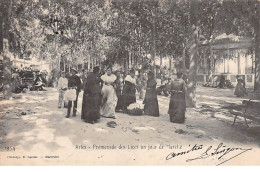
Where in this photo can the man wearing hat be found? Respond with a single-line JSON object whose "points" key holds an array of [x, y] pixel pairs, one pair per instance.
{"points": [[74, 82], [63, 86]]}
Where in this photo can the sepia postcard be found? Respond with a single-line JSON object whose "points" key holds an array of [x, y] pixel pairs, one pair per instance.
{"points": [[130, 82]]}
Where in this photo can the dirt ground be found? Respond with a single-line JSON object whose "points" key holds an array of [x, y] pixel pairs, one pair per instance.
{"points": [[44, 130]]}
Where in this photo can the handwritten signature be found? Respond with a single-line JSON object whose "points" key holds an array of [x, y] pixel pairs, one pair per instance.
{"points": [[220, 152]]}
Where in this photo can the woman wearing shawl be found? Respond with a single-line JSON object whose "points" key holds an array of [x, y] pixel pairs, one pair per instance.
{"points": [[91, 97], [128, 94], [151, 107], [109, 98]]}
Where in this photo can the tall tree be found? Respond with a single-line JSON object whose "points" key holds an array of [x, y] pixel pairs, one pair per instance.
{"points": [[256, 23], [192, 79], [5, 9]]}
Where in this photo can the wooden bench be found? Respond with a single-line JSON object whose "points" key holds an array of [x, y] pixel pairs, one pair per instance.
{"points": [[253, 105]]}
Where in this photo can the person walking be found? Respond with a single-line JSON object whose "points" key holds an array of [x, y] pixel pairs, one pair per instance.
{"points": [[109, 98], [74, 83], [177, 106], [92, 97], [62, 86], [150, 102]]}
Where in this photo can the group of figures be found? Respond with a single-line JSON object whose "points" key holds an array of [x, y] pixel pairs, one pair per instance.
{"points": [[240, 90], [27, 79], [106, 94]]}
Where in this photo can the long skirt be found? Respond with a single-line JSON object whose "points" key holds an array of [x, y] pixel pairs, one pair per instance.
{"points": [[91, 107], [109, 101], [177, 108], [151, 107]]}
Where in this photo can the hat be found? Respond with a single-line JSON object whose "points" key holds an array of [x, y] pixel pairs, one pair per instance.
{"points": [[74, 69]]}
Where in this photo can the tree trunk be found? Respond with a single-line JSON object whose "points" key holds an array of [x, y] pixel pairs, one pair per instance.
{"points": [[257, 49], [228, 57], [184, 60], [1, 29], [130, 59], [4, 51], [89, 63], [161, 61], [191, 92], [210, 64], [238, 64], [57, 60], [205, 62], [170, 61], [153, 46]]}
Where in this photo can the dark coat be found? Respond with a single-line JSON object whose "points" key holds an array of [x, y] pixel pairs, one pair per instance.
{"points": [[177, 106], [91, 99], [150, 102], [74, 81], [128, 94]]}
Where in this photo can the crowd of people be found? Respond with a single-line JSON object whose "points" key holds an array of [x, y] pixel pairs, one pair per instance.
{"points": [[222, 82], [106, 93], [28, 79]]}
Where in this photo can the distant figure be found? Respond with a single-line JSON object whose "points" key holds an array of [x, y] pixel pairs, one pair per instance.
{"points": [[17, 86], [74, 82], [229, 84], [83, 78], [118, 88], [222, 83], [39, 83], [109, 98], [177, 106], [128, 94], [240, 90], [164, 88], [150, 102], [141, 84], [91, 97], [62, 86]]}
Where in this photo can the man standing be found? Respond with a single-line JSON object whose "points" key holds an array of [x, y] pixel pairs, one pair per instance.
{"points": [[74, 82], [63, 86]]}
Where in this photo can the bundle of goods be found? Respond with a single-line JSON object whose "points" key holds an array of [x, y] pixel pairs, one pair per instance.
{"points": [[135, 109]]}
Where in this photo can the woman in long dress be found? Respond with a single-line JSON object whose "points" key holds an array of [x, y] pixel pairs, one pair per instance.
{"points": [[177, 106], [150, 102], [240, 90], [129, 90], [109, 98], [92, 98]]}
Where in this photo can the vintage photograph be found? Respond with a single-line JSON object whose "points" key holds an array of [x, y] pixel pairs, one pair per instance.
{"points": [[130, 82]]}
